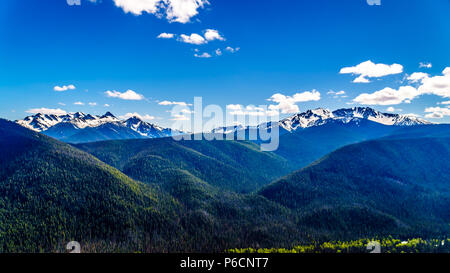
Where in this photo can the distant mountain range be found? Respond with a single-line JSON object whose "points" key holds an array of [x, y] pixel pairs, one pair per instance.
{"points": [[320, 116], [80, 127]]}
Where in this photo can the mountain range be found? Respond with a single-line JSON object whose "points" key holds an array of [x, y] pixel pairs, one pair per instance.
{"points": [[341, 175], [80, 127], [158, 195], [320, 116]]}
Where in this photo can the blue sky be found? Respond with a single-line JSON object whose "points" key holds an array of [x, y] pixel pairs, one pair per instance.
{"points": [[274, 47]]}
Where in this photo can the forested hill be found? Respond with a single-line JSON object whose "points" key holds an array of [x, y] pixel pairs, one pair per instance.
{"points": [[52, 193], [398, 184], [230, 165]]}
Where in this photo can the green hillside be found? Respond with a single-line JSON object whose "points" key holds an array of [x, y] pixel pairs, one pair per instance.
{"points": [[378, 187], [51, 193], [229, 165], [189, 197]]}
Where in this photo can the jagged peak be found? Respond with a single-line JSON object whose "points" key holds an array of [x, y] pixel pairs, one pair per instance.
{"points": [[108, 115], [320, 116]]}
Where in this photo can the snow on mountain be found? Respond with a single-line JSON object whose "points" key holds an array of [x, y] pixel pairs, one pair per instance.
{"points": [[307, 119], [146, 129], [43, 122], [321, 116], [69, 123]]}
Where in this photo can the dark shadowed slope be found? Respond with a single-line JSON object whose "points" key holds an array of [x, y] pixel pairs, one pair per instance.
{"points": [[304, 146], [382, 186]]}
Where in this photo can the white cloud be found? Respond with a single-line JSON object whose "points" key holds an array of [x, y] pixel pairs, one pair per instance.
{"points": [[445, 102], [361, 79], [339, 94], [287, 104], [369, 69], [194, 39], [203, 55], [179, 117], [446, 71], [182, 11], [166, 35], [64, 88], [390, 109], [437, 112], [425, 65], [175, 10], [437, 85], [232, 50], [234, 107], [47, 111], [127, 95], [78, 103], [106, 105], [166, 102], [412, 115], [388, 96], [218, 52], [239, 110], [186, 111], [142, 117], [417, 76], [62, 104], [212, 34], [92, 104]]}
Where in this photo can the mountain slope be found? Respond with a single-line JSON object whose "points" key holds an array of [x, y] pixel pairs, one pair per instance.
{"points": [[303, 146], [230, 165], [390, 186], [51, 193], [307, 136]]}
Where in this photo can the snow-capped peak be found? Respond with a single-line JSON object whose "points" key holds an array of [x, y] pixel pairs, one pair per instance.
{"points": [[379, 117], [41, 122], [321, 116], [135, 123], [306, 119]]}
